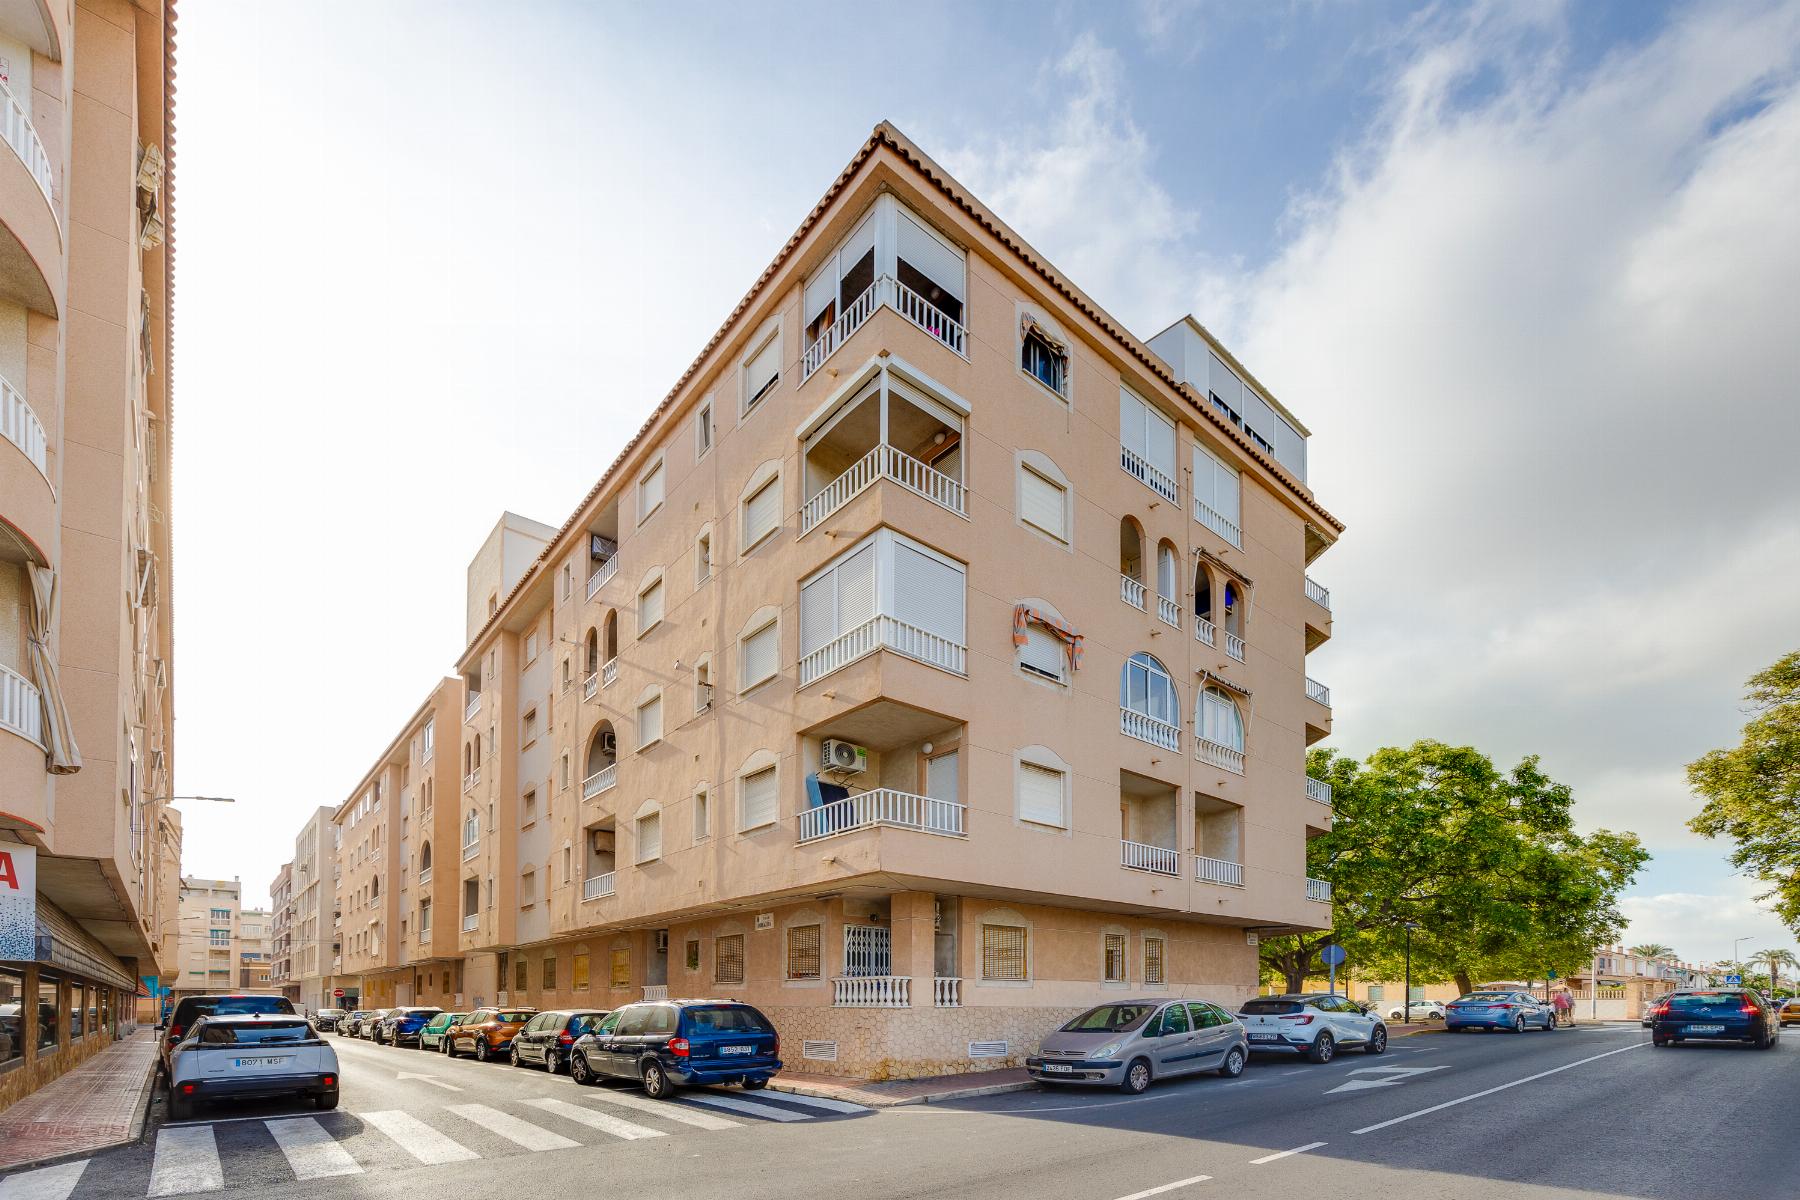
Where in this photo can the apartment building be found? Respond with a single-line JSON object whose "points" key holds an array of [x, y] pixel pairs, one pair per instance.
{"points": [[253, 949], [317, 920], [932, 664], [281, 932], [209, 947], [85, 655]]}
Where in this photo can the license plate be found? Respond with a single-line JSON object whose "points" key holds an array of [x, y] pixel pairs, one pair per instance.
{"points": [[736, 1049], [1058, 1068], [1706, 1029], [1262, 1037], [258, 1062]]}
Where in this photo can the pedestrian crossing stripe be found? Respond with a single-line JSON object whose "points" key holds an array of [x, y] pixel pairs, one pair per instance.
{"points": [[519, 1133], [733, 1104], [187, 1160], [45, 1183], [311, 1152], [417, 1138], [595, 1120]]}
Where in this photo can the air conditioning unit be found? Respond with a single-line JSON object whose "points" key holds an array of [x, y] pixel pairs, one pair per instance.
{"points": [[609, 742], [835, 755], [600, 840], [937, 916], [662, 941]]}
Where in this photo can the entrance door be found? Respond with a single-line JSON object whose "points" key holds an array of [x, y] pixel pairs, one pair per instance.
{"points": [[868, 951]]}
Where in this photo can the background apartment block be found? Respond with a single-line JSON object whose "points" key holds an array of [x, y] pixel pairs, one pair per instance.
{"points": [[931, 664], [85, 659], [209, 946], [281, 932], [253, 949], [317, 919]]}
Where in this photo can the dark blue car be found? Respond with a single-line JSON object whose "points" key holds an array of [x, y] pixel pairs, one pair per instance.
{"points": [[1725, 1015], [665, 1044], [402, 1025]]}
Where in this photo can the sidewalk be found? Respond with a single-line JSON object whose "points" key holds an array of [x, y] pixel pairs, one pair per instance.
{"points": [[100, 1103], [893, 1092]]}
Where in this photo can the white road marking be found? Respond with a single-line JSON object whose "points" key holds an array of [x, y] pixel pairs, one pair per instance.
{"points": [[519, 1133], [45, 1183], [433, 1080], [747, 1106], [311, 1152], [1490, 1091], [664, 1109], [1167, 1187], [187, 1160], [417, 1138], [604, 1122], [1357, 1085], [1269, 1158], [843, 1106]]}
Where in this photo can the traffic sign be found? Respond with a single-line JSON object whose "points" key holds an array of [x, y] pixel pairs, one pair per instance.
{"points": [[1734, 980], [338, 992], [1549, 974], [1333, 955]]}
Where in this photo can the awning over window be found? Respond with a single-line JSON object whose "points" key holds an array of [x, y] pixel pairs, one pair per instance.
{"points": [[1024, 614], [59, 734], [1223, 682], [1029, 325]]}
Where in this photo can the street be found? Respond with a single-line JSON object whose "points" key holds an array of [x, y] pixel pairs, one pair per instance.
{"points": [[1593, 1111]]}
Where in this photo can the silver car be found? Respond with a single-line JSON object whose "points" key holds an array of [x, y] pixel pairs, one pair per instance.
{"points": [[1129, 1043]]}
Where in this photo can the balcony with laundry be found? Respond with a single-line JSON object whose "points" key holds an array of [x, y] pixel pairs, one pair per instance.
{"points": [[603, 548], [884, 427]]}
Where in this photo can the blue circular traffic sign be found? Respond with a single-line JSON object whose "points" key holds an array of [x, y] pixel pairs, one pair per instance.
{"points": [[1333, 955]]}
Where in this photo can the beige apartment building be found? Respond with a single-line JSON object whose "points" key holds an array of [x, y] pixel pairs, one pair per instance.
{"points": [[253, 949], [317, 920], [209, 948], [932, 664], [281, 932], [85, 656]]}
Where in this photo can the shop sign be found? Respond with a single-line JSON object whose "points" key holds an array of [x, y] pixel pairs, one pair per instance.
{"points": [[18, 902]]}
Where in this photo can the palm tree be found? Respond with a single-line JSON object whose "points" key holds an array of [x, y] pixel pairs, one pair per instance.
{"points": [[1776, 960], [1652, 950]]}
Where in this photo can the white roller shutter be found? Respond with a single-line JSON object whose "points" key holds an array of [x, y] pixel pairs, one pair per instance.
{"points": [[760, 799], [649, 836], [762, 370], [1040, 795], [940, 778], [928, 593], [650, 722], [1159, 441], [650, 491], [821, 291], [761, 654], [650, 606], [855, 589], [928, 254], [1042, 504], [1224, 383], [1131, 423], [762, 512], [818, 613], [1044, 653]]}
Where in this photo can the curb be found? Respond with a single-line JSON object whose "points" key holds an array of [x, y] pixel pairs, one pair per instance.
{"points": [[851, 1095], [133, 1133]]}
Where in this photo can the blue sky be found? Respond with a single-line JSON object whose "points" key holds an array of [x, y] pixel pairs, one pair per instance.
{"points": [[1524, 268]]}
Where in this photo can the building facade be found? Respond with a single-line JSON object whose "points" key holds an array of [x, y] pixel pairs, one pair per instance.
{"points": [[281, 932], [209, 947], [86, 728], [931, 665], [254, 963], [317, 919]]}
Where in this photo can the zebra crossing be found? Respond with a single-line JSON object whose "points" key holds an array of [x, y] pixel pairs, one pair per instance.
{"points": [[214, 1156]]}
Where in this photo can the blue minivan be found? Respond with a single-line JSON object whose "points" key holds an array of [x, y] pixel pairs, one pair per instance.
{"points": [[665, 1044]]}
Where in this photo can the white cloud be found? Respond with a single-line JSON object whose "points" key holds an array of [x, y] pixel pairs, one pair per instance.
{"points": [[1702, 927]]}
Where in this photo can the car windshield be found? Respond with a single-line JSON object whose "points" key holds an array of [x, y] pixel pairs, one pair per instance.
{"points": [[722, 1019], [214, 1034], [1485, 997], [1110, 1018], [1269, 1008]]}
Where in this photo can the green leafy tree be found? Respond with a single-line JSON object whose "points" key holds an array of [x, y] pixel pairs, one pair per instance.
{"points": [[1752, 791]]}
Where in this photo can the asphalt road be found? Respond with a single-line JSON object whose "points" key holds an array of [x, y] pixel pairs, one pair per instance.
{"points": [[1593, 1112]]}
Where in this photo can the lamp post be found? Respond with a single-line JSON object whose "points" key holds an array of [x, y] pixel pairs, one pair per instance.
{"points": [[214, 799], [1406, 986]]}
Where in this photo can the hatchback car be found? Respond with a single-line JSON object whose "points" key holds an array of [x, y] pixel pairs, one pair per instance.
{"points": [[1789, 1012], [1511, 1011], [402, 1025], [1723, 1015], [1313, 1024], [192, 1008], [350, 1024], [546, 1039], [665, 1044], [1130, 1043], [327, 1019], [487, 1033], [431, 1037], [250, 1054], [365, 1029], [1422, 1010]]}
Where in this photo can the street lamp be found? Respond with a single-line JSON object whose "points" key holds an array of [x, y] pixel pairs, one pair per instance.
{"points": [[1735, 944], [214, 799], [1406, 987]]}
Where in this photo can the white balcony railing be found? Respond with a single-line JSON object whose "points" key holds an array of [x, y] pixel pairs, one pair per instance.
{"points": [[471, 850], [1218, 755], [601, 574], [1204, 630], [872, 991], [1218, 870], [597, 886], [471, 779], [884, 462], [882, 632], [20, 426], [1168, 611], [1318, 889], [1141, 469], [16, 128], [1234, 645], [424, 875], [1318, 593], [1137, 856], [609, 671], [1131, 591], [20, 709], [897, 296], [1146, 728], [883, 806], [1318, 789], [656, 991], [472, 707], [1318, 691], [424, 937], [599, 781], [946, 992], [590, 686], [1215, 520]]}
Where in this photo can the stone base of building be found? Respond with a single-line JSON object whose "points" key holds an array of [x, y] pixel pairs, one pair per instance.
{"points": [[911, 1043]]}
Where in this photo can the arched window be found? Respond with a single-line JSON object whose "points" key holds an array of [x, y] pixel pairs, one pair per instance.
{"points": [[612, 636], [425, 857], [1145, 687], [1234, 608], [477, 744], [1202, 593], [471, 828], [468, 758], [375, 888], [1218, 720], [1167, 566], [1131, 550], [603, 749], [591, 652]]}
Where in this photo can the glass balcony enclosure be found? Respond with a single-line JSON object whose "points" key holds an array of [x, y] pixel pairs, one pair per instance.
{"points": [[887, 592]]}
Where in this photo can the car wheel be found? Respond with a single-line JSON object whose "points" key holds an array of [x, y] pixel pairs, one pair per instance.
{"points": [[1137, 1077], [326, 1100], [1659, 1042], [180, 1108], [579, 1070], [1322, 1050], [483, 1052], [756, 1085], [1377, 1041], [516, 1060], [1519, 1023], [656, 1081], [445, 1048], [1233, 1066]]}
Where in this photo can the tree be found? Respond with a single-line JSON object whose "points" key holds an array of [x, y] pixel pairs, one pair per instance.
{"points": [[1778, 959], [1652, 950], [1752, 791]]}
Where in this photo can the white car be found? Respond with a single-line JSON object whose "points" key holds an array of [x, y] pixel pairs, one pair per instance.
{"points": [[1422, 1010], [1312, 1024], [251, 1054]]}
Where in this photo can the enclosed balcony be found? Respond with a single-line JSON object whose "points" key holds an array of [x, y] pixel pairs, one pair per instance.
{"points": [[889, 593], [1148, 707], [603, 548], [888, 430], [1147, 825]]}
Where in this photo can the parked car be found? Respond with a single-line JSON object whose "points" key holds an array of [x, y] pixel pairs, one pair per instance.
{"points": [[487, 1033], [327, 1019], [1130, 1043], [366, 1028], [1422, 1010], [1513, 1011], [1790, 1012], [350, 1023], [431, 1035], [402, 1025], [1313, 1024], [1716, 1015], [192, 1008], [665, 1044], [1647, 1014], [242, 1055], [547, 1038]]}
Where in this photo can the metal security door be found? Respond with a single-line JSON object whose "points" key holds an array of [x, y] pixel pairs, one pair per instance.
{"points": [[867, 951]]}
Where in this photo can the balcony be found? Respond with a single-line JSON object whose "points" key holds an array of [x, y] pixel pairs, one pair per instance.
{"points": [[609, 672], [1205, 632], [1146, 728], [1234, 645], [1132, 592], [600, 781], [1159, 860], [946, 992], [1146, 473], [471, 708], [883, 807], [590, 687], [1216, 521], [890, 463], [1318, 593], [425, 936], [1219, 755], [16, 128], [891, 293], [1317, 789], [872, 991], [472, 922], [471, 779], [471, 850], [424, 875], [21, 427], [656, 991], [21, 711], [1318, 890], [883, 632], [601, 575], [1218, 870], [1318, 692], [598, 886], [1168, 612]]}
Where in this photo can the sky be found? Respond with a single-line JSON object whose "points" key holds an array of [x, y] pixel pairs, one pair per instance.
{"points": [[1525, 270]]}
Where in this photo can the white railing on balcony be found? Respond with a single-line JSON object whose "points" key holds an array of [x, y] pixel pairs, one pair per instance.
{"points": [[1204, 630], [471, 922], [597, 886], [897, 296], [609, 671], [946, 992], [424, 937], [656, 991], [20, 709], [424, 875], [883, 806], [884, 462], [1137, 856], [1168, 611], [1146, 728], [601, 574], [1218, 870], [1215, 520], [1220, 756], [1318, 593], [1318, 789], [872, 991], [1318, 691], [472, 707], [471, 779], [16, 127], [599, 781], [882, 632], [21, 427], [1318, 889], [1141, 469], [590, 687], [471, 850], [1131, 591], [1234, 645]]}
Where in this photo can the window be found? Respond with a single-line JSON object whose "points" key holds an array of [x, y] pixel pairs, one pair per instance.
{"points": [[761, 652], [620, 967], [528, 808], [1044, 654], [12, 995], [1047, 364], [762, 513], [1146, 688], [1004, 953], [564, 771], [1115, 958], [1219, 720], [703, 430], [521, 974], [650, 492], [1043, 503], [531, 647], [427, 740], [568, 870], [703, 557], [1147, 444], [762, 370], [728, 958], [759, 799], [650, 606], [692, 954], [649, 721], [803, 958], [529, 733], [1167, 572], [549, 971], [527, 889], [702, 815], [221, 914], [1377, 993], [1041, 794], [649, 835], [578, 971], [1216, 496], [568, 581], [471, 828], [1153, 960], [703, 684]]}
